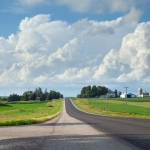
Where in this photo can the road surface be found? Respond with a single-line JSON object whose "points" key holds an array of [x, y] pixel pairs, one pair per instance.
{"points": [[72, 130], [134, 131]]}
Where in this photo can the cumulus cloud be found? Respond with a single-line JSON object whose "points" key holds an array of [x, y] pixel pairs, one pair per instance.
{"points": [[132, 62], [65, 54], [45, 51], [72, 74], [134, 14]]}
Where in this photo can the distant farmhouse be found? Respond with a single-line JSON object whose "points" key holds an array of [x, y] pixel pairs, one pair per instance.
{"points": [[108, 95], [128, 95], [111, 94], [142, 94]]}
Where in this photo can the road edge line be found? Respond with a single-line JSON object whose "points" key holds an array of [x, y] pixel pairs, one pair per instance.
{"points": [[85, 111]]}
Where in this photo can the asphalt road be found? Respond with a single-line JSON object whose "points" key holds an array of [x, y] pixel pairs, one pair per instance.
{"points": [[72, 134], [76, 130], [133, 131]]}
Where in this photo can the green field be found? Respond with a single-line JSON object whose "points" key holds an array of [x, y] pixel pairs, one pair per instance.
{"points": [[29, 112], [135, 108]]}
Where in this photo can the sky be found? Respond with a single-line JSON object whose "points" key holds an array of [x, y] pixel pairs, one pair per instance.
{"points": [[65, 45]]}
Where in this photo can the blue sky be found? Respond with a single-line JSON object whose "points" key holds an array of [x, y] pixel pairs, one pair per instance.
{"points": [[11, 15], [65, 45]]}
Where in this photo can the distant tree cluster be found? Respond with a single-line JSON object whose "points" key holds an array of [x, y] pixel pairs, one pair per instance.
{"points": [[14, 97], [38, 94], [94, 91]]}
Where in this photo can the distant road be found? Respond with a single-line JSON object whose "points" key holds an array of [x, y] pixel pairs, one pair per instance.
{"points": [[134, 131]]}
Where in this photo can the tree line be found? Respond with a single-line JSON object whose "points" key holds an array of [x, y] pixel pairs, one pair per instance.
{"points": [[94, 91], [38, 94]]}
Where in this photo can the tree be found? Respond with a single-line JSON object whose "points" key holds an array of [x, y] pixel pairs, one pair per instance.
{"points": [[53, 95], [49, 97], [38, 92], [88, 91], [57, 95], [99, 91], [105, 90], [116, 95], [46, 93], [42, 97], [33, 96], [30, 95], [25, 96], [83, 91], [61, 96], [14, 97], [94, 91]]}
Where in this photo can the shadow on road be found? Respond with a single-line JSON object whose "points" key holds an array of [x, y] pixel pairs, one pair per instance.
{"points": [[56, 142]]}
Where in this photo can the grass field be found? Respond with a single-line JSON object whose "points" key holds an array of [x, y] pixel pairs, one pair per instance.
{"points": [[20, 113], [116, 107]]}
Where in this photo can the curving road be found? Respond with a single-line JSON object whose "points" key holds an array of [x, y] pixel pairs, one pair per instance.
{"points": [[134, 131]]}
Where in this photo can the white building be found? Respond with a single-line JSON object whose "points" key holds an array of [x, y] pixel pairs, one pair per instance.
{"points": [[128, 95], [145, 94], [142, 94]]}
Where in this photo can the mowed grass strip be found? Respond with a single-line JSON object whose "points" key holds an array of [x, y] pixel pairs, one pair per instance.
{"points": [[114, 107], [29, 113]]}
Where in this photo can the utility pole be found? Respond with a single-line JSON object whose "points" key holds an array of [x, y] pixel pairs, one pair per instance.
{"points": [[106, 101], [126, 98], [29, 93]]}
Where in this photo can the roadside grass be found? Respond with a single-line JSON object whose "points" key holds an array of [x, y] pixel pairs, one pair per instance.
{"points": [[114, 107], [24, 113]]}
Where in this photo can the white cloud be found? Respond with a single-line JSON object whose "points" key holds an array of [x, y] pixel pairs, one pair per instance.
{"points": [[31, 2], [132, 62], [52, 52], [99, 6], [65, 54], [94, 6], [72, 74], [41, 79], [133, 15]]}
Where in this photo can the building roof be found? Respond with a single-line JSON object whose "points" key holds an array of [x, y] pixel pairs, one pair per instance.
{"points": [[128, 94]]}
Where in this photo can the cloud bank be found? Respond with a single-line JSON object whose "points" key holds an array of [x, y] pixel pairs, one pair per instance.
{"points": [[132, 61], [99, 6], [45, 52], [94, 6]]}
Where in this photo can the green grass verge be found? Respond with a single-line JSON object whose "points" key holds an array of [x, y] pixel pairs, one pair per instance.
{"points": [[28, 112], [114, 107]]}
